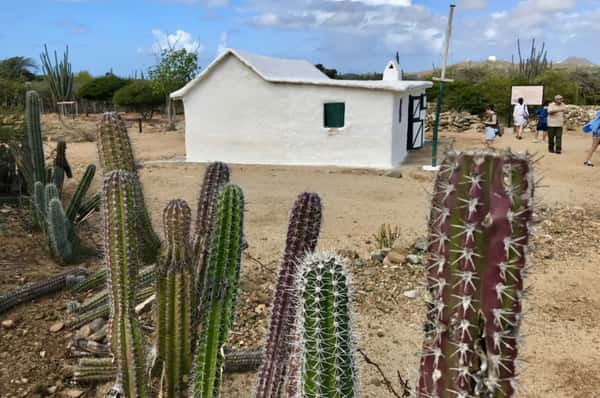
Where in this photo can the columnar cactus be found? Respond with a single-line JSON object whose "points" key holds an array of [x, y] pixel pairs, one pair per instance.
{"points": [[61, 158], [479, 232], [121, 256], [324, 329], [63, 241], [34, 136], [174, 299], [115, 152], [220, 290], [75, 204], [302, 236]]}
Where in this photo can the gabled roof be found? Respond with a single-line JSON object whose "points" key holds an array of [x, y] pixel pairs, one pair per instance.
{"points": [[280, 70]]}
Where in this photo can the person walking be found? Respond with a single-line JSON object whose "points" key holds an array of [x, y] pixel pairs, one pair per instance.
{"points": [[542, 125], [520, 117], [594, 128], [491, 125], [556, 120]]}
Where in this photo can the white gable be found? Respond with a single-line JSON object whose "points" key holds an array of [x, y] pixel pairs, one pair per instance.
{"points": [[392, 71], [278, 70]]}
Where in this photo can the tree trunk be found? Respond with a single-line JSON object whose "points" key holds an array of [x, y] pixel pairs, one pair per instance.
{"points": [[170, 115]]}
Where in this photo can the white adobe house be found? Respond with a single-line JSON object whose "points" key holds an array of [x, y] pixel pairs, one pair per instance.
{"points": [[246, 108]]}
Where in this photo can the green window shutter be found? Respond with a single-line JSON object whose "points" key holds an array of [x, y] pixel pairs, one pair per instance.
{"points": [[334, 114]]}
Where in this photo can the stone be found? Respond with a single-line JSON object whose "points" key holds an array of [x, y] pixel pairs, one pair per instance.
{"points": [[57, 327], [414, 259], [380, 333], [85, 331], [394, 173], [8, 324], [43, 354], [377, 256], [421, 244], [395, 258], [73, 393], [52, 390], [411, 294]]}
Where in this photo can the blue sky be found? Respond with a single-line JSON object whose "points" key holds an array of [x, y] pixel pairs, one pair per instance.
{"points": [[350, 35]]}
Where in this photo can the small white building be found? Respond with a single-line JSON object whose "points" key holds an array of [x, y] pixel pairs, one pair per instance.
{"points": [[246, 108]]}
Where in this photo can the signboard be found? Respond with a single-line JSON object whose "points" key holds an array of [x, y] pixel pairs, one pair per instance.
{"points": [[533, 95]]}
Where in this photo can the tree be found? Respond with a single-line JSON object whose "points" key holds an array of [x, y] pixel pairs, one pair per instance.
{"points": [[17, 68], [101, 88], [139, 96], [174, 70]]}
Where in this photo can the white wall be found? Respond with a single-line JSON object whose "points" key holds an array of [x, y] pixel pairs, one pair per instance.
{"points": [[400, 128], [235, 116]]}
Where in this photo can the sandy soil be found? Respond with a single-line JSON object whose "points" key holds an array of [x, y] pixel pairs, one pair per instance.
{"points": [[561, 325]]}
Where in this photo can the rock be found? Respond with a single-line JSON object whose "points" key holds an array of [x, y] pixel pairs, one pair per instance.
{"points": [[85, 331], [414, 259], [43, 354], [359, 262], [395, 258], [260, 309], [421, 244], [411, 294], [52, 390], [8, 324], [73, 393], [375, 382], [377, 256], [394, 173], [57, 327], [380, 333], [97, 324]]}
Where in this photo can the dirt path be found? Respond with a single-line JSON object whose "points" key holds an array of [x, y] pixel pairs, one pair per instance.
{"points": [[562, 321]]}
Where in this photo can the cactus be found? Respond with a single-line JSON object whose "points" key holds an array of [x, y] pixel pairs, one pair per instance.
{"points": [[61, 158], [122, 262], [56, 175], [34, 137], [324, 330], [242, 361], [220, 289], [479, 230], [98, 278], [174, 299], [74, 207], [38, 289], [40, 205], [115, 152], [302, 236], [63, 242], [215, 177]]}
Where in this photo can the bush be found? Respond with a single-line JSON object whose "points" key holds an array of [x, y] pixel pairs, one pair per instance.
{"points": [[138, 95], [101, 88], [557, 81]]}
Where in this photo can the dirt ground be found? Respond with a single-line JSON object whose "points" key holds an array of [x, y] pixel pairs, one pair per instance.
{"points": [[561, 324]]}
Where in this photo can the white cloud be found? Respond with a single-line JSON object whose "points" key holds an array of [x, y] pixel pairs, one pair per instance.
{"points": [[223, 43], [181, 39], [472, 4], [401, 3], [267, 19], [208, 3]]}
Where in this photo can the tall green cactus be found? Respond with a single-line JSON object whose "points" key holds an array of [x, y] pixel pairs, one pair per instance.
{"points": [[302, 236], [58, 74], [174, 299], [479, 230], [215, 178], [61, 158], [326, 349], [40, 206], [35, 145], [220, 290], [121, 259], [115, 152]]}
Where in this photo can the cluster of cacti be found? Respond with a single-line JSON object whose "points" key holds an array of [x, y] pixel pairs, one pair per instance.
{"points": [[302, 237], [324, 364], [479, 230], [41, 288], [121, 254], [115, 153], [174, 299], [58, 74], [219, 292]]}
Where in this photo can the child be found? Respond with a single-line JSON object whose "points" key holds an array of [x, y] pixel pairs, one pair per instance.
{"points": [[542, 125], [491, 125]]}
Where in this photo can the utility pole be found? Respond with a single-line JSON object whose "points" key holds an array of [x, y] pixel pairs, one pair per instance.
{"points": [[442, 80]]}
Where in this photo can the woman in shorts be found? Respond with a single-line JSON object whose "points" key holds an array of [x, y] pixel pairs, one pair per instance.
{"points": [[594, 128]]}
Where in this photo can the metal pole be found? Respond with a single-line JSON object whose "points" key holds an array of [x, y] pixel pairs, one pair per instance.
{"points": [[442, 81]]}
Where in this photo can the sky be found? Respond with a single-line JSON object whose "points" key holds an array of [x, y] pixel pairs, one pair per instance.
{"points": [[349, 35]]}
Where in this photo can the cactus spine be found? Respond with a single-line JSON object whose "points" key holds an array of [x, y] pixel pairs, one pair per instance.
{"points": [[121, 259], [326, 354], [174, 299], [302, 236], [479, 231], [220, 289], [115, 152]]}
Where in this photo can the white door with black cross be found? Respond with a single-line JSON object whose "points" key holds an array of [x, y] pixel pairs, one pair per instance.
{"points": [[417, 111]]}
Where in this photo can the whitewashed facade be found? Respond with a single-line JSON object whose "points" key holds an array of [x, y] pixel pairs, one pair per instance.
{"points": [[245, 108]]}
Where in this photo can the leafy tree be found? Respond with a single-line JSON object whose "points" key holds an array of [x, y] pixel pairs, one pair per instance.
{"points": [[174, 70], [17, 68], [557, 81], [139, 96], [80, 79], [101, 88]]}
